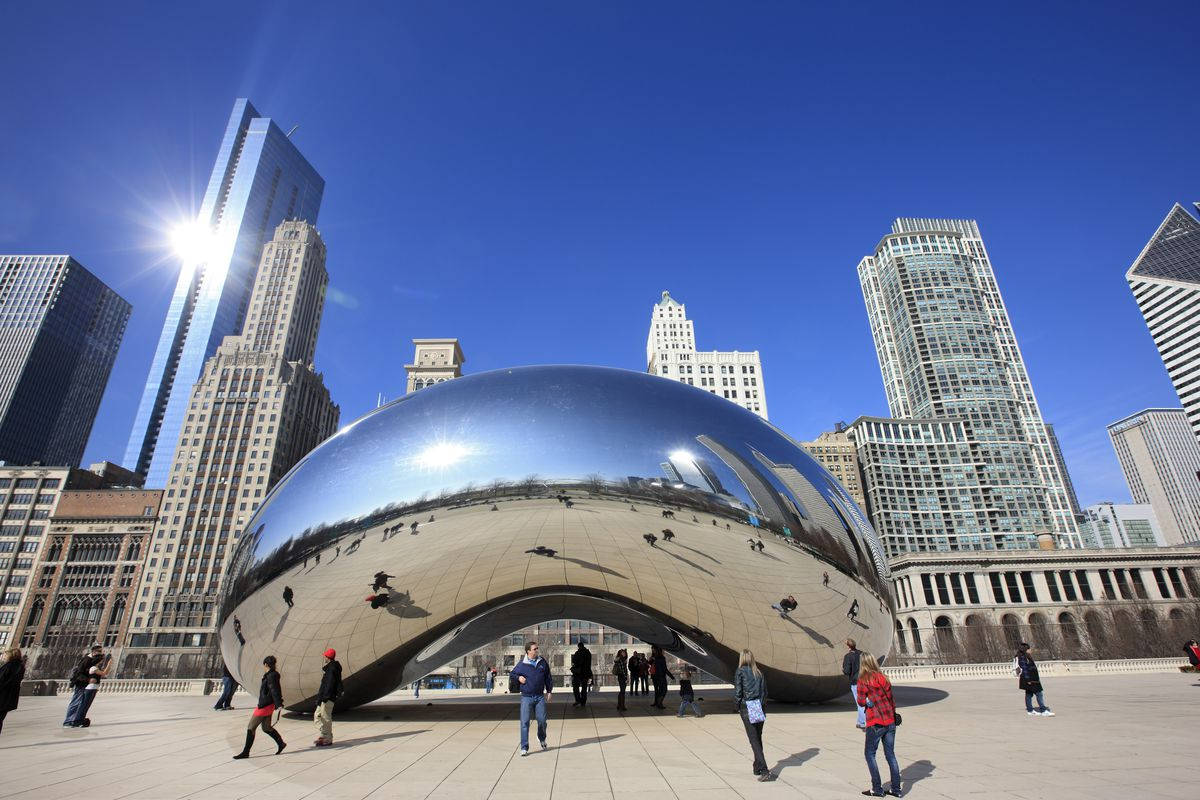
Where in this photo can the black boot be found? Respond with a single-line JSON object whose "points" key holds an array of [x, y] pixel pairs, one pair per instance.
{"points": [[249, 741], [279, 742]]}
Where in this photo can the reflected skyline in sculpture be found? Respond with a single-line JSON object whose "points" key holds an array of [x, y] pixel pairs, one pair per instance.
{"points": [[581, 462]]}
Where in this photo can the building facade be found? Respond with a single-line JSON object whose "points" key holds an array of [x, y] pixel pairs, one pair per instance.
{"points": [[1079, 603], [1068, 484], [671, 353], [1165, 280], [946, 350], [1160, 457], [60, 329], [258, 408], [837, 453], [1120, 525], [88, 574], [434, 361], [28, 498], [259, 180]]}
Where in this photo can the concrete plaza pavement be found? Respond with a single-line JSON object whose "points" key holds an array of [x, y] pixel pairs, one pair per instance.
{"points": [[1114, 737]]}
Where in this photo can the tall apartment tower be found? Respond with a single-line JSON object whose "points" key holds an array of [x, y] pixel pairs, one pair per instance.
{"points": [[671, 353], [837, 453], [1165, 280], [259, 180], [946, 349], [435, 361], [1068, 484], [257, 409], [60, 328], [1160, 457]]}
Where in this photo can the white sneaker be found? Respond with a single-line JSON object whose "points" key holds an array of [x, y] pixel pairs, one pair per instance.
{"points": [[1033, 713], [524, 753], [1046, 713]]}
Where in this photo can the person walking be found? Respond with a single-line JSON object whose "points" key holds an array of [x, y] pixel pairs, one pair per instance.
{"points": [[581, 673], [875, 697], [489, 680], [687, 695], [750, 693], [228, 687], [327, 695], [417, 688], [851, 664], [537, 683], [824, 578], [852, 614], [11, 674], [1192, 650], [1031, 682], [621, 670], [288, 595], [270, 703], [88, 672], [659, 673]]}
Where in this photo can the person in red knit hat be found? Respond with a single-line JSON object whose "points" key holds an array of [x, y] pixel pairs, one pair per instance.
{"points": [[327, 695]]}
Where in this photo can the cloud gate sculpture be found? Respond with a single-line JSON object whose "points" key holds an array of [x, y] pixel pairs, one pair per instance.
{"points": [[466, 511]]}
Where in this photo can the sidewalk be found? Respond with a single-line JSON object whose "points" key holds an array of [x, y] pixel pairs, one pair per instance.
{"points": [[1114, 737]]}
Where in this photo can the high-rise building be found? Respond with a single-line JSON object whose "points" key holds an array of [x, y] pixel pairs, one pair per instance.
{"points": [[671, 353], [258, 408], [1160, 457], [28, 498], [259, 180], [946, 349], [1068, 484], [88, 574], [435, 361], [1165, 280], [60, 328], [837, 453], [1120, 525]]}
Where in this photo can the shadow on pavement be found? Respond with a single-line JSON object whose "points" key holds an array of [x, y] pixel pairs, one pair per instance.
{"points": [[590, 740], [914, 772], [796, 759], [380, 738]]}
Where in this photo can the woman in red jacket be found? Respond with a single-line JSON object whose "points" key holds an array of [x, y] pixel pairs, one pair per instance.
{"points": [[875, 694]]}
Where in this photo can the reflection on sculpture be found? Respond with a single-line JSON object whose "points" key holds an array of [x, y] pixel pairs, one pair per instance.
{"points": [[527, 479]]}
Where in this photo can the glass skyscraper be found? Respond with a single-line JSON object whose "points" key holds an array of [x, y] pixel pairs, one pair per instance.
{"points": [[60, 327], [259, 180], [947, 352]]}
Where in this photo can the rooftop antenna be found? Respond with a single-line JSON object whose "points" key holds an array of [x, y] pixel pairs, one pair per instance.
{"points": [[293, 130]]}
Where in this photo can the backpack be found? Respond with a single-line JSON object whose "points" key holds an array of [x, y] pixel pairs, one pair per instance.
{"points": [[651, 669]]}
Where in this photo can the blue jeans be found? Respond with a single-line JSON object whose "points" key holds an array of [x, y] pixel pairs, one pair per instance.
{"points": [[228, 688], [888, 734], [862, 711], [1041, 701], [533, 705], [695, 707], [74, 706]]}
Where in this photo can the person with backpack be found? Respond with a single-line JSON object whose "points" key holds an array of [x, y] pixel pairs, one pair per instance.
{"points": [[1030, 681], [621, 670], [270, 703], [875, 697], [750, 693], [851, 663], [531, 677], [327, 695], [87, 673]]}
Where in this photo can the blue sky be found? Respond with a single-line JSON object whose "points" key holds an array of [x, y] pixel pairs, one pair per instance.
{"points": [[529, 177]]}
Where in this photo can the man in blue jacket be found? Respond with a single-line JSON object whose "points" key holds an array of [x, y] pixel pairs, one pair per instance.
{"points": [[533, 674]]}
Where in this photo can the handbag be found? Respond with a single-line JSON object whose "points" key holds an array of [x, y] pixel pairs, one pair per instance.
{"points": [[899, 719], [754, 711]]}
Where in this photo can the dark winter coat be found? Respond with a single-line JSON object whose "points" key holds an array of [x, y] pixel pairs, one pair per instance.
{"points": [[851, 663], [269, 692], [747, 686], [331, 682], [1030, 681], [82, 672], [10, 684], [621, 668], [581, 663], [661, 673]]}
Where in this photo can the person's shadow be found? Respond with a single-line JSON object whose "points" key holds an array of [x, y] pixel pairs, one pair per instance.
{"points": [[590, 740], [405, 609], [796, 759], [282, 622], [380, 738], [816, 636], [916, 771]]}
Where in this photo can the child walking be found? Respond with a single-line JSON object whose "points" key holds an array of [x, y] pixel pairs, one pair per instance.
{"points": [[687, 695]]}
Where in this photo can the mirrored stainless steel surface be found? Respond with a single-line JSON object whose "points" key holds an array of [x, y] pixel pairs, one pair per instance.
{"points": [[466, 511]]}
